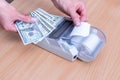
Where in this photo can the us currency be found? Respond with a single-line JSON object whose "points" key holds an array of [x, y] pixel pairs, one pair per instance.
{"points": [[43, 25], [47, 20], [43, 20], [28, 32], [35, 32], [52, 19]]}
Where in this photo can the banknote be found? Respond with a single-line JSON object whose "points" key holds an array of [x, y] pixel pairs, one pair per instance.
{"points": [[29, 32], [45, 27], [43, 20], [53, 19], [34, 32]]}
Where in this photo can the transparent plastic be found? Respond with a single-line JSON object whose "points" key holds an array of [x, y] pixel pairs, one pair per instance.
{"points": [[89, 47]]}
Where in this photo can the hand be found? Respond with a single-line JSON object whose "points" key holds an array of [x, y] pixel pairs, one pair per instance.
{"points": [[74, 8], [8, 15]]}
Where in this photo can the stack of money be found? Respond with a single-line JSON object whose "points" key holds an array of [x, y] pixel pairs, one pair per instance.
{"points": [[34, 32]]}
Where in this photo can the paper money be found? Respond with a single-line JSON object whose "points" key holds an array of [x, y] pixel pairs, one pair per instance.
{"points": [[52, 19], [35, 32], [28, 32], [43, 20], [45, 27]]}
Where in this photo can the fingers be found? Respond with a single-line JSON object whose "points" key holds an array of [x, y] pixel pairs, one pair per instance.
{"points": [[26, 18], [75, 17], [78, 15], [10, 26], [82, 12]]}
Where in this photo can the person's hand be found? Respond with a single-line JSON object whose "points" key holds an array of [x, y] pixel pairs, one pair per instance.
{"points": [[74, 8], [8, 15]]}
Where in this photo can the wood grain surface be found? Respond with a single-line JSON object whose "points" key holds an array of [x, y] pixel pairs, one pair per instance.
{"points": [[19, 62]]}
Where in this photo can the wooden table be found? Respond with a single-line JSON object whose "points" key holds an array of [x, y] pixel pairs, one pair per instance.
{"points": [[19, 62]]}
